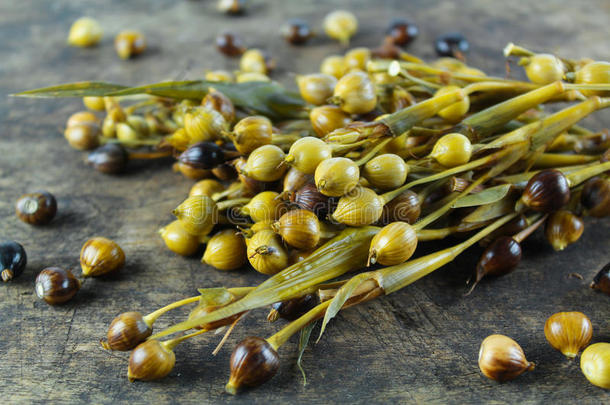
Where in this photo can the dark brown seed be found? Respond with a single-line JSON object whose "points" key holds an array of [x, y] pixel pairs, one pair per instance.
{"points": [[12, 260], [203, 155], [500, 258], [126, 331], [404, 208], [513, 227], [230, 44], [296, 31], [402, 31], [309, 198], [225, 171], [294, 308], [56, 285], [547, 191], [150, 360], [110, 158], [595, 197], [253, 362], [36, 208], [601, 281]]}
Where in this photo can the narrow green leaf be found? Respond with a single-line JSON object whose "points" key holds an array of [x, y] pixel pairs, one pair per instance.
{"points": [[492, 211], [487, 196], [303, 341], [267, 98], [341, 297], [79, 89]]}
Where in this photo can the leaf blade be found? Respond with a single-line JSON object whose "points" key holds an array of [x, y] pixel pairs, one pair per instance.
{"points": [[77, 89]]}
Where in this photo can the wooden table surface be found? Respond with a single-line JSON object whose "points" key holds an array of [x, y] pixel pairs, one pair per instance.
{"points": [[419, 345]]}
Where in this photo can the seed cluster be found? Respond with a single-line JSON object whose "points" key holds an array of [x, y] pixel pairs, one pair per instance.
{"points": [[378, 152]]}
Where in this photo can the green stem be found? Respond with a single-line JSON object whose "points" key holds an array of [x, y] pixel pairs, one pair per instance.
{"points": [[293, 327], [223, 205], [153, 316], [371, 153], [579, 176], [172, 343]]}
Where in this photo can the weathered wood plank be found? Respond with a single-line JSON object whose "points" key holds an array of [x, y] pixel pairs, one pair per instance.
{"points": [[419, 345]]}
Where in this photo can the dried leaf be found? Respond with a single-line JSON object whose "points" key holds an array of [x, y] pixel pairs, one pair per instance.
{"points": [[491, 211], [303, 341], [341, 297], [487, 196]]}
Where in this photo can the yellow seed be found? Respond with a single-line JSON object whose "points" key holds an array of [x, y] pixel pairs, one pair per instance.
{"points": [[252, 132], [206, 187], [316, 88], [219, 76], [306, 154], [266, 163], [178, 240], [386, 172], [355, 93], [264, 207], [340, 25], [337, 176], [357, 58], [252, 77], [129, 43], [327, 118], [226, 250], [455, 111], [197, 214], [543, 68], [101, 256], [568, 332], [95, 103], [362, 206], [333, 65], [595, 364], [85, 32], [452, 150], [394, 244], [266, 253]]}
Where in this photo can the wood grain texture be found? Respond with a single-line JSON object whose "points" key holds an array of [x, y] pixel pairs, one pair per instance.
{"points": [[419, 345]]}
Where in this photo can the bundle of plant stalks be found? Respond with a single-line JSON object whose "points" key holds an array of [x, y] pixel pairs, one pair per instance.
{"points": [[351, 172]]}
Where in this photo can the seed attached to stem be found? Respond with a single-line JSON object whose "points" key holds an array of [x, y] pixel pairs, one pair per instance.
{"points": [[394, 244], [253, 362]]}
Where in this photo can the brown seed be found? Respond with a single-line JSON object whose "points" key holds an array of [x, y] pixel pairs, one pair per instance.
{"points": [[151, 360], [55, 285], [101, 256], [36, 208], [253, 362], [126, 331], [230, 44]]}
